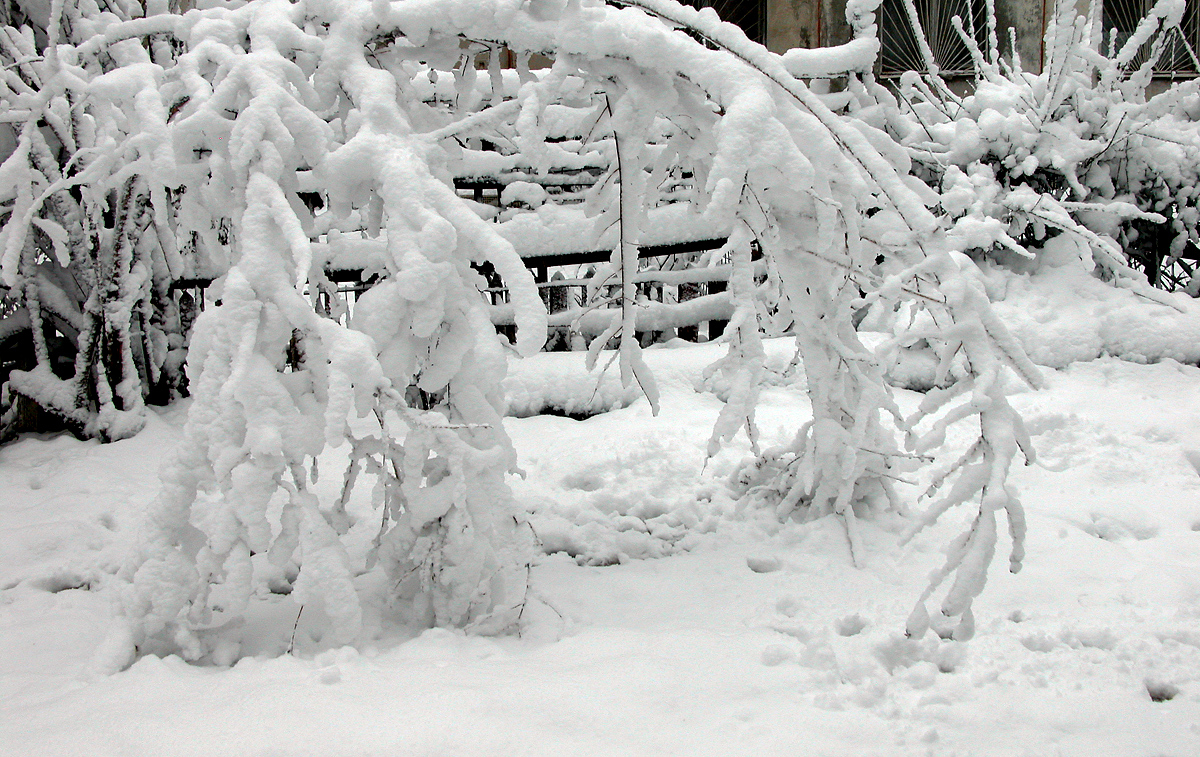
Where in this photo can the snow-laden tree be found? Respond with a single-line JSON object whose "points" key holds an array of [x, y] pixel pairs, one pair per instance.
{"points": [[86, 248], [311, 132]]}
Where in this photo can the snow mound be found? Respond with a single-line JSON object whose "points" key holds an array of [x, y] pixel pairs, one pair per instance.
{"points": [[559, 383], [619, 483], [1061, 315], [1065, 315]]}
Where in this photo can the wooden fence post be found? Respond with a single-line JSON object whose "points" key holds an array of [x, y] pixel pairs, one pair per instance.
{"points": [[689, 292], [716, 328]]}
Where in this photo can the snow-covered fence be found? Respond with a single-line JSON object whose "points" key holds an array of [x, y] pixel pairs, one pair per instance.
{"points": [[667, 301], [678, 235]]}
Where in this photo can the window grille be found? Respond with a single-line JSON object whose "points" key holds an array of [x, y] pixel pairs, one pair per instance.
{"points": [[750, 15], [1121, 18], [898, 50]]}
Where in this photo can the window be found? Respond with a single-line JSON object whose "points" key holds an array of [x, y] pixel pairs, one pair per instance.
{"points": [[751, 15], [1121, 18], [898, 50]]}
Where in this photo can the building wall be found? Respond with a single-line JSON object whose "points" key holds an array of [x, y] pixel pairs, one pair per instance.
{"points": [[792, 23], [806, 23], [1028, 19]]}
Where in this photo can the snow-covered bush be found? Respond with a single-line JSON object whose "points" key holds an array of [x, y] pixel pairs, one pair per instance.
{"points": [[86, 252], [313, 132], [1082, 162], [275, 99]]}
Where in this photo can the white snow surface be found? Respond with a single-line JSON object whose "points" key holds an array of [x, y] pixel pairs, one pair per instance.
{"points": [[666, 621]]}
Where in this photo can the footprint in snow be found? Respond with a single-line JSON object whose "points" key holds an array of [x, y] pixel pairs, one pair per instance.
{"points": [[764, 564]]}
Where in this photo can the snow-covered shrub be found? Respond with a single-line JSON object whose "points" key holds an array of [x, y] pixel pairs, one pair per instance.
{"points": [[842, 227], [86, 251], [308, 133], [1082, 162], [275, 99], [1063, 168]]}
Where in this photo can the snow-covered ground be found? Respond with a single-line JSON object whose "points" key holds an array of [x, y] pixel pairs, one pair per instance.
{"points": [[670, 622]]}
